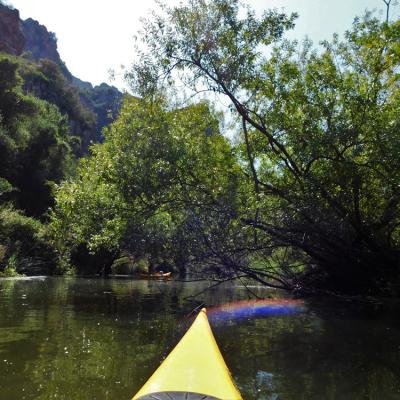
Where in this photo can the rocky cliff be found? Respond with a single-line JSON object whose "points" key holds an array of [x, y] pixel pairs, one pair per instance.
{"points": [[104, 100], [12, 39], [34, 42], [41, 44]]}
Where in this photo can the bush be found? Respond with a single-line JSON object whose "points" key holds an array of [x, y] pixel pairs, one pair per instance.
{"points": [[23, 245], [123, 266], [11, 267]]}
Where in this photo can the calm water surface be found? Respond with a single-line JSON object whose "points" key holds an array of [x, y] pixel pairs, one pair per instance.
{"points": [[81, 339]]}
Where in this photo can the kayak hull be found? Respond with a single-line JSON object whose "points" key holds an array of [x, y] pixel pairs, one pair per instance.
{"points": [[195, 369], [157, 275], [176, 396]]}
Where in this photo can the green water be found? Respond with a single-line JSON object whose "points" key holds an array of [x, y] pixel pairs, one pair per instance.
{"points": [[93, 339]]}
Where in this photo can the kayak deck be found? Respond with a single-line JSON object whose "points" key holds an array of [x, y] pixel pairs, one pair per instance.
{"points": [[194, 370]]}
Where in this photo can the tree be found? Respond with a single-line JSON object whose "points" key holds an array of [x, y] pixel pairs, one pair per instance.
{"points": [[35, 148], [136, 191], [35, 152], [319, 131], [24, 248]]}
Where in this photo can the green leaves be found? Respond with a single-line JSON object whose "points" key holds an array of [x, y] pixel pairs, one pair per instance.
{"points": [[5, 186], [316, 169], [320, 129], [155, 166], [35, 146]]}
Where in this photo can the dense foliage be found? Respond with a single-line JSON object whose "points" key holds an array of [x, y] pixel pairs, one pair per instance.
{"points": [[156, 172], [45, 80], [307, 199], [319, 128], [44, 126], [24, 247], [305, 196], [35, 152], [34, 143]]}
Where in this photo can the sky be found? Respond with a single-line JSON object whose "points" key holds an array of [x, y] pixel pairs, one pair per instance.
{"points": [[95, 36]]}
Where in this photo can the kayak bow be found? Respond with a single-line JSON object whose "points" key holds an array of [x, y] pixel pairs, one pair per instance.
{"points": [[195, 369]]}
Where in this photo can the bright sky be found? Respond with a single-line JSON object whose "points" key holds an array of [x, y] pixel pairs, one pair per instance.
{"points": [[97, 35]]}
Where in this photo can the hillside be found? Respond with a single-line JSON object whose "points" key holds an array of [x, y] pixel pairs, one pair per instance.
{"points": [[89, 108], [48, 120]]}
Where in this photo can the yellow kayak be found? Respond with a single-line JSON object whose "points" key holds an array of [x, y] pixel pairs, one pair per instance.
{"points": [[194, 370]]}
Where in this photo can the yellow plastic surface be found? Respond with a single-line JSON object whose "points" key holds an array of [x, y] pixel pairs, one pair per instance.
{"points": [[194, 365]]}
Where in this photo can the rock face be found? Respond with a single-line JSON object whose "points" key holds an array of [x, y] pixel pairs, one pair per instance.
{"points": [[12, 39], [39, 41], [42, 44], [104, 100], [81, 84]]}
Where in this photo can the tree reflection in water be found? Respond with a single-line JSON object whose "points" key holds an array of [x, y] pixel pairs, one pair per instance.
{"points": [[71, 338]]}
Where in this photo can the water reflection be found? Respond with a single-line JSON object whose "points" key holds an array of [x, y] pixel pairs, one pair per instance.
{"points": [[249, 309], [101, 339]]}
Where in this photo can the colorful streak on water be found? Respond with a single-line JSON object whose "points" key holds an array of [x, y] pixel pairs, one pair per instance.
{"points": [[246, 309]]}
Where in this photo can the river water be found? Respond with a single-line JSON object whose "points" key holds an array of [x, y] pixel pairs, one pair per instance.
{"points": [[94, 339]]}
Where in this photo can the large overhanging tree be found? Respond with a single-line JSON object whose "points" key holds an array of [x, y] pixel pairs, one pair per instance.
{"points": [[320, 130]]}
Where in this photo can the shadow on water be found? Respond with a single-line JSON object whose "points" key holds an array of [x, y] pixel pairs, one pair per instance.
{"points": [[71, 338]]}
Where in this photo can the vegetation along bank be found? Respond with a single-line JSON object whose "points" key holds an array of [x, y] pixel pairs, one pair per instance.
{"points": [[295, 185]]}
